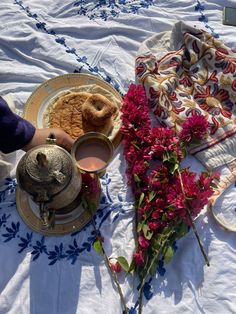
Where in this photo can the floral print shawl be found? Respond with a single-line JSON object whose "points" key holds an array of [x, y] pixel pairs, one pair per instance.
{"points": [[196, 76]]}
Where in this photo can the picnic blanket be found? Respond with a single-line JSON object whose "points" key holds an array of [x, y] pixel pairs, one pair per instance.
{"points": [[63, 275]]}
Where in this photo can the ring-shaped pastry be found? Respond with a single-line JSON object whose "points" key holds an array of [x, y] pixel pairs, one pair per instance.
{"points": [[97, 109]]}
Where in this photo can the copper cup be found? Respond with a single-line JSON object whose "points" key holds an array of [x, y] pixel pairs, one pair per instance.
{"points": [[92, 152]]}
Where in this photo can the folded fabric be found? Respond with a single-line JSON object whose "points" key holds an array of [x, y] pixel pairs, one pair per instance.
{"points": [[195, 76]]}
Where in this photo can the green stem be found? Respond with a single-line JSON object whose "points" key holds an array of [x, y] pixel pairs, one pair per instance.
{"points": [[192, 222], [113, 274], [154, 260]]}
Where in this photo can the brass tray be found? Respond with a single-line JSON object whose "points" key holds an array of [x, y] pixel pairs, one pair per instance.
{"points": [[66, 222], [41, 97]]}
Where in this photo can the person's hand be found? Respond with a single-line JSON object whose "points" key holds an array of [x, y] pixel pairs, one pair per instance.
{"points": [[62, 138]]}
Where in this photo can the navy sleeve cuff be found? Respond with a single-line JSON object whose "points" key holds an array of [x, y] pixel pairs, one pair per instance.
{"points": [[15, 132]]}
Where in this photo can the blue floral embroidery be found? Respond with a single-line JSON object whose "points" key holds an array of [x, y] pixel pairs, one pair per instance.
{"points": [[25, 242], [3, 220], [74, 250], [39, 248], [83, 64], [103, 9], [9, 188], [116, 207], [37, 245], [57, 254], [11, 232], [204, 19]]}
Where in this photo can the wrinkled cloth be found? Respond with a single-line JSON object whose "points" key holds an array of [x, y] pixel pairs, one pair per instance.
{"points": [[64, 275]]}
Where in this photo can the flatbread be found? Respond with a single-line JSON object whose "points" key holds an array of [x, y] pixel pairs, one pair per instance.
{"points": [[64, 111]]}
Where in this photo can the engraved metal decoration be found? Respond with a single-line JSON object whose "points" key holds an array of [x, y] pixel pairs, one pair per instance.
{"points": [[50, 177]]}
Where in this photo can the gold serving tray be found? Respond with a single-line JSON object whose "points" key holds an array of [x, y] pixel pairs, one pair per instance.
{"points": [[66, 221]]}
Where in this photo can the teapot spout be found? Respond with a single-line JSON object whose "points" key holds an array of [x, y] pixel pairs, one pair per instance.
{"points": [[47, 216]]}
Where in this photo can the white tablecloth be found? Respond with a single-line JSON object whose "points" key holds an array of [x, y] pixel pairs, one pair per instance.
{"points": [[63, 275]]}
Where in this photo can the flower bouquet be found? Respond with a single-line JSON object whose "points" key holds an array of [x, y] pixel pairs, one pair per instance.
{"points": [[167, 198]]}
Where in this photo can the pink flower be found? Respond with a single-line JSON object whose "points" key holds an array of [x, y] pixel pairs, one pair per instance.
{"points": [[194, 128], [115, 267], [144, 243], [152, 155], [157, 214], [139, 167], [144, 209], [90, 183], [139, 258], [172, 214], [136, 94], [153, 225]]}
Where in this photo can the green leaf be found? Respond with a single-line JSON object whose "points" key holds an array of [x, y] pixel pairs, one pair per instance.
{"points": [[195, 141], [97, 246], [141, 199], [136, 178], [135, 145], [123, 263], [213, 185], [164, 217], [139, 228], [166, 156], [146, 232], [168, 255], [149, 235], [153, 269], [145, 229], [92, 207], [184, 151], [173, 167], [131, 266], [151, 195], [182, 230], [156, 244]]}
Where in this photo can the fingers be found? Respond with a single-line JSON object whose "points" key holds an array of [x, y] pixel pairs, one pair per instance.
{"points": [[62, 138]]}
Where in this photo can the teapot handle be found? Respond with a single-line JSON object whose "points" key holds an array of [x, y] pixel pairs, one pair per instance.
{"points": [[51, 139]]}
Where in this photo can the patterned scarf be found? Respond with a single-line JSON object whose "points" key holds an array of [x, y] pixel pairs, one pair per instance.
{"points": [[196, 76]]}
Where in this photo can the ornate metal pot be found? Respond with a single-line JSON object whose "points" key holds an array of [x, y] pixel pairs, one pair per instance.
{"points": [[51, 178]]}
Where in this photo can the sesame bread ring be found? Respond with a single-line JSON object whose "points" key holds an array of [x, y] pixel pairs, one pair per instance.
{"points": [[97, 109]]}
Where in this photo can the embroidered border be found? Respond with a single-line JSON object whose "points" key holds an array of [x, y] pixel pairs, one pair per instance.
{"points": [[62, 41], [204, 19], [104, 9], [36, 244], [111, 4]]}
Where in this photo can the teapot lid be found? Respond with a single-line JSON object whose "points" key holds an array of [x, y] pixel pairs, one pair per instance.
{"points": [[45, 169], [44, 164]]}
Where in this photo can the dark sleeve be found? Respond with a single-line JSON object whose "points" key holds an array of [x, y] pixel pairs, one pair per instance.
{"points": [[15, 132]]}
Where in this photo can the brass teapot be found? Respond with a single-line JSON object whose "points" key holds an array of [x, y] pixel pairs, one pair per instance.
{"points": [[51, 178]]}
